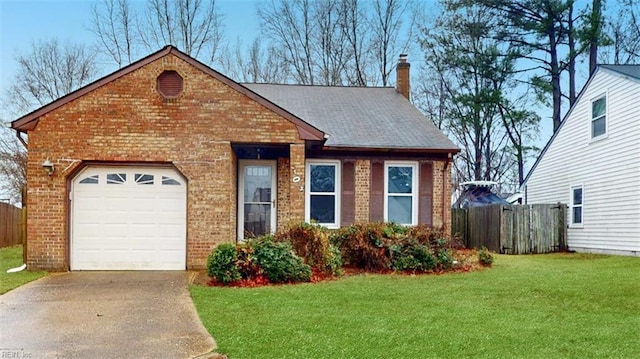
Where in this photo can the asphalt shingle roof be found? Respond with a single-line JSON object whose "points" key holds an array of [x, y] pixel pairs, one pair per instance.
{"points": [[358, 117], [629, 70]]}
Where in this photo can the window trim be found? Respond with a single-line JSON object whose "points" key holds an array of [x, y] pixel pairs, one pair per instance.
{"points": [[414, 189], [605, 115], [337, 191], [572, 206]]}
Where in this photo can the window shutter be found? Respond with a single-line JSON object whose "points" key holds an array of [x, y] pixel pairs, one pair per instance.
{"points": [[348, 200], [376, 200], [425, 200]]}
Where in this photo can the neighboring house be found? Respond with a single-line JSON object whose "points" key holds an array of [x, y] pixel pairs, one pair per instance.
{"points": [[154, 165], [592, 163]]}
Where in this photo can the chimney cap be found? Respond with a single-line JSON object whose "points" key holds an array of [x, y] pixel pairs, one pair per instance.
{"points": [[402, 58]]}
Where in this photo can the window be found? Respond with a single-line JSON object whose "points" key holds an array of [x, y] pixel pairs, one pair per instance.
{"points": [[401, 192], [143, 179], [323, 188], [168, 181], [576, 206], [116, 178], [599, 117], [90, 180]]}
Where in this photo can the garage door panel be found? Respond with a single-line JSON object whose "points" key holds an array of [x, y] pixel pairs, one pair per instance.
{"points": [[126, 225]]}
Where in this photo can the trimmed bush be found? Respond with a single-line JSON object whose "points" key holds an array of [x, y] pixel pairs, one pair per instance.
{"points": [[278, 262], [409, 255], [222, 264], [311, 242], [484, 257]]}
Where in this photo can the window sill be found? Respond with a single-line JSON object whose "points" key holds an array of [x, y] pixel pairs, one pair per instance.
{"points": [[599, 138]]}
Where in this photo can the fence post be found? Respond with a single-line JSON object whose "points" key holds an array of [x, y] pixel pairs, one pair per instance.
{"points": [[562, 227]]}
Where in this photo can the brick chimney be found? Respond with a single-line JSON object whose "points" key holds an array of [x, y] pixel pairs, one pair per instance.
{"points": [[402, 76]]}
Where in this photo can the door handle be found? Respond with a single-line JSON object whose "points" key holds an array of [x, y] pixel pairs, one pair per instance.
{"points": [[273, 203]]}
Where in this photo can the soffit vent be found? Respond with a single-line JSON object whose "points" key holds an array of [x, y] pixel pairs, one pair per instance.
{"points": [[170, 84]]}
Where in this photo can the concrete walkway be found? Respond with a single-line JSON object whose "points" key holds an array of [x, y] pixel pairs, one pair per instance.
{"points": [[103, 315]]}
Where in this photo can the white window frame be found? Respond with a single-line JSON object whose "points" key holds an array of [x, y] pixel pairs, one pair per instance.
{"points": [[605, 115], [413, 194], [337, 190], [572, 205]]}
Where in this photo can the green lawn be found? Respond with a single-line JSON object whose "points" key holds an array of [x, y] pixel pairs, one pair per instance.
{"points": [[544, 306], [11, 257]]}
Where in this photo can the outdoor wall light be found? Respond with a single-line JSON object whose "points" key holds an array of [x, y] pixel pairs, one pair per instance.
{"points": [[48, 166]]}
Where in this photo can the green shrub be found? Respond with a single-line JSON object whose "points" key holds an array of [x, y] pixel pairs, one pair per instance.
{"points": [[444, 258], [311, 242], [221, 264], [409, 255], [484, 257], [278, 262]]}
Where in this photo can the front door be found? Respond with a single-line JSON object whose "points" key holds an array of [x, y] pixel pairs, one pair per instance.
{"points": [[256, 198]]}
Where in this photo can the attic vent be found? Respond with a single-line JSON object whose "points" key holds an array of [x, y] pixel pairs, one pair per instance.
{"points": [[170, 84]]}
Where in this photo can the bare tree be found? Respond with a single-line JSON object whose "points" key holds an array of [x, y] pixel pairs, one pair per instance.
{"points": [[123, 31], [113, 22], [255, 64], [13, 166], [388, 39], [194, 26], [622, 29], [290, 25], [356, 34], [48, 71], [337, 42]]}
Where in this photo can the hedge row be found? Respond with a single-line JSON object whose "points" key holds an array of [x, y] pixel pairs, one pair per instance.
{"points": [[301, 249]]}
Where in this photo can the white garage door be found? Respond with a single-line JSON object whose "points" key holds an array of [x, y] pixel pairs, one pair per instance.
{"points": [[128, 218]]}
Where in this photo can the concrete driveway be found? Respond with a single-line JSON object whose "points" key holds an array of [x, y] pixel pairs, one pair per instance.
{"points": [[103, 315]]}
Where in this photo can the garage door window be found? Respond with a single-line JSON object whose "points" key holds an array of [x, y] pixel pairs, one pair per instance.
{"points": [[116, 178], [90, 180], [143, 178], [168, 181]]}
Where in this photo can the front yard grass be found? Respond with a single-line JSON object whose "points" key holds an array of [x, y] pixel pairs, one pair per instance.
{"points": [[11, 257], [543, 306]]}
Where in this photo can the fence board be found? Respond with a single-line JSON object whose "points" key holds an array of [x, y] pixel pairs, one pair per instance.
{"points": [[11, 232], [517, 229]]}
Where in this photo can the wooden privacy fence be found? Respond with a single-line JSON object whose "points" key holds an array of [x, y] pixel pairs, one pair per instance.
{"points": [[513, 229], [11, 228]]}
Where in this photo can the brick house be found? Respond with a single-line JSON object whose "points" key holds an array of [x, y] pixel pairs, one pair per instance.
{"points": [[155, 164]]}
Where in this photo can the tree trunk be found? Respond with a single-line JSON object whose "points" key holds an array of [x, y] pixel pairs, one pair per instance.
{"points": [[596, 26], [572, 57], [555, 78]]}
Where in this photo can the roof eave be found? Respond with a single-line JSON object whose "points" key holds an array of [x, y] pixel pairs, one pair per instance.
{"points": [[392, 149]]}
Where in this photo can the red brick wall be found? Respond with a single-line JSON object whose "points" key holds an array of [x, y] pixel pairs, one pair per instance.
{"points": [[127, 120]]}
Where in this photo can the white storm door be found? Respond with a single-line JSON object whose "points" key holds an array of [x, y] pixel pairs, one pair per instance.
{"points": [[257, 195]]}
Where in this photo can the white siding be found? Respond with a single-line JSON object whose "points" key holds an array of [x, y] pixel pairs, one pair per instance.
{"points": [[609, 168]]}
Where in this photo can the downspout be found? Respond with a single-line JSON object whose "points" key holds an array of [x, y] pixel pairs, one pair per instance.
{"points": [[444, 196]]}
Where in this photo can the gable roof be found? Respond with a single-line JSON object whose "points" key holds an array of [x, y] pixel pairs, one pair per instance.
{"points": [[29, 121], [359, 117], [632, 71]]}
